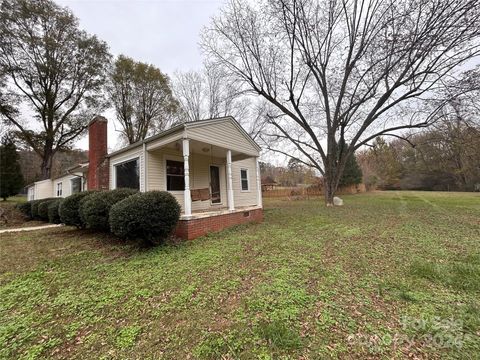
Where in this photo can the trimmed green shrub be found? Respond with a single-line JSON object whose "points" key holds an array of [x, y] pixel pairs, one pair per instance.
{"points": [[25, 208], [69, 209], [151, 216], [53, 215], [94, 209], [42, 210], [34, 208]]}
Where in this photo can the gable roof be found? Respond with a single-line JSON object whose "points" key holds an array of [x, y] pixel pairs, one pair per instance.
{"points": [[190, 125]]}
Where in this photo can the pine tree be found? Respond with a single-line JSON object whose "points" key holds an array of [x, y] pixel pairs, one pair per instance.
{"points": [[352, 174], [11, 178]]}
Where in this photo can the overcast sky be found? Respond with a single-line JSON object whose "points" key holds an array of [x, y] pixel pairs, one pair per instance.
{"points": [[164, 33]]}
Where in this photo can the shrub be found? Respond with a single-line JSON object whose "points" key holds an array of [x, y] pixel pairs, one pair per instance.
{"points": [[94, 209], [42, 210], [151, 216], [53, 215], [68, 210], [34, 208], [25, 208]]}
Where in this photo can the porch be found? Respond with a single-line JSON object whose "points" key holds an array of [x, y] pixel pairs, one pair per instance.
{"points": [[207, 179]]}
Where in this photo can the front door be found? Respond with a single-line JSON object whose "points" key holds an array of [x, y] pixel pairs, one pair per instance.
{"points": [[215, 184]]}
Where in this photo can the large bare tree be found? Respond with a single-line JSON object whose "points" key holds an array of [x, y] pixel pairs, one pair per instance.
{"points": [[54, 74], [343, 71]]}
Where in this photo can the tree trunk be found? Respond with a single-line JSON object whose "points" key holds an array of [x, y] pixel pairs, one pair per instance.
{"points": [[329, 192], [329, 183], [46, 166]]}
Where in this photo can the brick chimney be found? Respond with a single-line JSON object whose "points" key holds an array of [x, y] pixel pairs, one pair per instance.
{"points": [[97, 161]]}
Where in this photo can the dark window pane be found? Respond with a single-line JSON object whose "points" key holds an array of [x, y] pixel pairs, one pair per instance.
{"points": [[175, 176], [76, 185], [127, 175], [244, 178]]}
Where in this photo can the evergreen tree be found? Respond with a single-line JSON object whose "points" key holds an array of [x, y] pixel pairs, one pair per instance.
{"points": [[352, 174], [11, 179]]}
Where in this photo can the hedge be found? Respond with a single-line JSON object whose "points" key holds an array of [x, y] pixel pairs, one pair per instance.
{"points": [[25, 208], [53, 215], [69, 209], [34, 208], [150, 216], [42, 210], [94, 209]]}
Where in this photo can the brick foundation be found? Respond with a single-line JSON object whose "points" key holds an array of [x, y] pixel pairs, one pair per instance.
{"points": [[196, 227]]}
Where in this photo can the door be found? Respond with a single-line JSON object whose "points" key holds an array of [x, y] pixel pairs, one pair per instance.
{"points": [[215, 184]]}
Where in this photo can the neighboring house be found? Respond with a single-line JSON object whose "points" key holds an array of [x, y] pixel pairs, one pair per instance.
{"points": [[210, 166]]}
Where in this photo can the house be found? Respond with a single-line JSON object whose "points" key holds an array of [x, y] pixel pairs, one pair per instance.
{"points": [[73, 181], [210, 166]]}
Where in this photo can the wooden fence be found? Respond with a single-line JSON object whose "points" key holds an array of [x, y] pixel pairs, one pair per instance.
{"points": [[288, 192]]}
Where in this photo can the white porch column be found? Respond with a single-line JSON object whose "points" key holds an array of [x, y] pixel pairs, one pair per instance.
{"points": [[231, 204], [259, 184], [187, 197]]}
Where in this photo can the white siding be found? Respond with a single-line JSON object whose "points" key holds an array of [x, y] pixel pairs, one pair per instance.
{"points": [[43, 189], [249, 197], [66, 184], [31, 192], [224, 134], [199, 175]]}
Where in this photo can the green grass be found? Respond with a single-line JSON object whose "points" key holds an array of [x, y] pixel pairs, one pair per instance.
{"points": [[388, 275]]}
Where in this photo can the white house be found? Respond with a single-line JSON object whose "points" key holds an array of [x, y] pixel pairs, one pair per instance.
{"points": [[73, 181], [210, 166]]}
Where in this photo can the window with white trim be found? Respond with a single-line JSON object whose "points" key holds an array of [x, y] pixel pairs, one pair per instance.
{"points": [[244, 179], [76, 185], [175, 175], [59, 189], [127, 175]]}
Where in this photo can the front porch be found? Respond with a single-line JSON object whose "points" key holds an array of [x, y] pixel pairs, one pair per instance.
{"points": [[210, 167], [206, 179]]}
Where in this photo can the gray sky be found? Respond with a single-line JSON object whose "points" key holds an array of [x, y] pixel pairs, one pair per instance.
{"points": [[164, 33]]}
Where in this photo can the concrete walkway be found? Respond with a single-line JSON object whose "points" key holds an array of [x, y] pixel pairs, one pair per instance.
{"points": [[32, 228]]}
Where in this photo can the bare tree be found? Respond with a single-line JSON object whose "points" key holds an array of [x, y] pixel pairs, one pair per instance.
{"points": [[142, 98], [54, 75], [208, 94], [211, 93], [342, 71]]}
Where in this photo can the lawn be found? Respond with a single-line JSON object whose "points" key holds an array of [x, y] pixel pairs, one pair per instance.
{"points": [[389, 275]]}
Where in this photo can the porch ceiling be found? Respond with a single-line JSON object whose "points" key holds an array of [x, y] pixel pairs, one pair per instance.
{"points": [[199, 147]]}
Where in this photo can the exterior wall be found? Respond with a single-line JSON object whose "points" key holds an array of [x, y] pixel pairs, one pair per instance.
{"points": [[249, 197], [199, 175], [43, 189], [66, 184], [134, 153], [193, 228], [224, 134], [31, 192]]}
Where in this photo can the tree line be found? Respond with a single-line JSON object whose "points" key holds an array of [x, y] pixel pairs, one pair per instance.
{"points": [[444, 157], [318, 80]]}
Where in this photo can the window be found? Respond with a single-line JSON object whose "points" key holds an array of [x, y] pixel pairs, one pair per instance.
{"points": [[59, 189], [175, 175], [244, 179], [127, 175], [76, 185]]}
